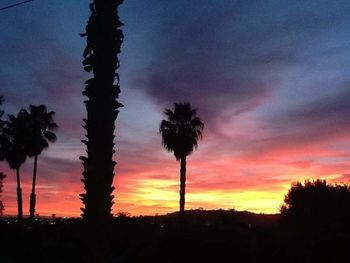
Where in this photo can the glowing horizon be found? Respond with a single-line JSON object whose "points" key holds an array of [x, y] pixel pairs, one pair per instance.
{"points": [[158, 194]]}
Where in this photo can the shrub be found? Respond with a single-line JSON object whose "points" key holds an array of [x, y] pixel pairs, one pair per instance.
{"points": [[2, 176], [316, 204]]}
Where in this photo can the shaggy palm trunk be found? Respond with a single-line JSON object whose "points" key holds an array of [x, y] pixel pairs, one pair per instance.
{"points": [[104, 39], [32, 194], [182, 186], [19, 196]]}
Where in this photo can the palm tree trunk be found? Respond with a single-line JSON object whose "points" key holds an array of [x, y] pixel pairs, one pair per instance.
{"points": [[32, 194], [182, 186], [104, 38], [19, 196]]}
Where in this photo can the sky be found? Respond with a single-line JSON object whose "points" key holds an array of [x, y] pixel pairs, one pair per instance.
{"points": [[270, 80]]}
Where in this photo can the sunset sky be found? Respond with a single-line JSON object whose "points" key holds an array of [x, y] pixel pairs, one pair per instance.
{"points": [[270, 80]]}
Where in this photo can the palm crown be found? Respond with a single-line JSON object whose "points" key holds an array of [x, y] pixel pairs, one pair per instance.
{"points": [[181, 130], [41, 129], [13, 140]]}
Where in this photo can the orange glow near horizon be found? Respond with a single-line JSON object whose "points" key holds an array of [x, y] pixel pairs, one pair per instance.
{"points": [[155, 196]]}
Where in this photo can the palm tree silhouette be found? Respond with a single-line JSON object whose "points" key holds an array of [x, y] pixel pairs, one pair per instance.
{"points": [[40, 133], [104, 39], [14, 149], [180, 134]]}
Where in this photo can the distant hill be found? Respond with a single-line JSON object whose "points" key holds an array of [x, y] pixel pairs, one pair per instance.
{"points": [[215, 217]]}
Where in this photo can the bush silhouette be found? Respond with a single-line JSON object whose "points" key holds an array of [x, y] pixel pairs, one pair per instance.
{"points": [[317, 205], [2, 123], [2, 176], [2, 208]]}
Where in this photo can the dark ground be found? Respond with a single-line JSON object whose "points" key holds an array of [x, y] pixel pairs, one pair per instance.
{"points": [[206, 236]]}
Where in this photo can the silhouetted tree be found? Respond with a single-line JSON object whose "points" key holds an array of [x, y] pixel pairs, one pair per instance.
{"points": [[104, 39], [180, 132], [1, 130], [14, 148], [317, 204], [41, 127], [2, 176]]}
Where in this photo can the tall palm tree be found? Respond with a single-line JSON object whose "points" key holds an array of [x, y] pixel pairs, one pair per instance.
{"points": [[180, 132], [104, 39], [41, 127], [14, 149]]}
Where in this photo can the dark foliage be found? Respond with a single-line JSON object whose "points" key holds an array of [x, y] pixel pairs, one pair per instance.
{"points": [[41, 127], [26, 134], [180, 132], [317, 205], [2, 207], [209, 236], [316, 218], [1, 130], [2, 176], [14, 140], [1, 111], [104, 39]]}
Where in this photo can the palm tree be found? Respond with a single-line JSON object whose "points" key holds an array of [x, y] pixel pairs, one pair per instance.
{"points": [[104, 39], [14, 149], [40, 133], [180, 134]]}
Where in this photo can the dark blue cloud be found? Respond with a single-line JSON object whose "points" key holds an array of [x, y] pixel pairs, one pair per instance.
{"points": [[229, 55], [321, 119], [41, 60], [322, 124]]}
